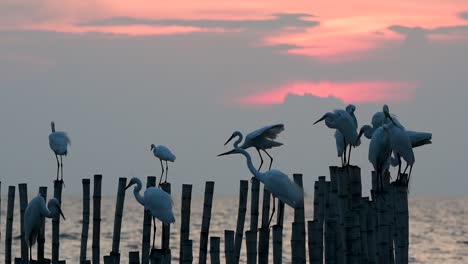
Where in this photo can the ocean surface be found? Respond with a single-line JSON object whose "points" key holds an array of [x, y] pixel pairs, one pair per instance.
{"points": [[438, 228]]}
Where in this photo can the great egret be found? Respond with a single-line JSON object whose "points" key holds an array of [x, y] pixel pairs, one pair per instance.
{"points": [[401, 144], [163, 153], [339, 138], [260, 139], [156, 201], [276, 182], [342, 121], [58, 142], [33, 215]]}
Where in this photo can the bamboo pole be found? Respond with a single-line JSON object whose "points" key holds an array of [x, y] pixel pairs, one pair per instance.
{"points": [[205, 227], [363, 211], [315, 248], [119, 204], [229, 246], [254, 200], [23, 196], [297, 255], [382, 227], [134, 257], [372, 232], [9, 223], [299, 218], [214, 250], [187, 258], [264, 236], [243, 192], [41, 235], [402, 222], [146, 234], [185, 216], [251, 245], [85, 226], [58, 185], [339, 180], [319, 213], [96, 219], [166, 230], [330, 224], [277, 244]]}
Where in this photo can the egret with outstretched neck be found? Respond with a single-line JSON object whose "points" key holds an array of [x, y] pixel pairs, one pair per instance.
{"points": [[33, 215], [58, 142], [275, 181], [260, 139], [156, 201], [163, 153]]}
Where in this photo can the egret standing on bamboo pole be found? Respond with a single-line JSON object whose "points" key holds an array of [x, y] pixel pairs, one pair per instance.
{"points": [[58, 142], [35, 211], [156, 201], [260, 139], [278, 183], [339, 138], [163, 153]]}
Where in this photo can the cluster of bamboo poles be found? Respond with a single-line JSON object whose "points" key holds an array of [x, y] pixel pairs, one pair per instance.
{"points": [[346, 227]]}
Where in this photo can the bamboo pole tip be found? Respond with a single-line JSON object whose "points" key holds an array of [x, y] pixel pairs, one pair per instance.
{"points": [[85, 181]]}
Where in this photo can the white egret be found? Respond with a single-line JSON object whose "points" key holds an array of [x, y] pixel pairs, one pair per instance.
{"points": [[58, 142], [33, 215], [163, 153], [156, 201], [342, 121], [275, 181], [260, 139], [339, 138]]}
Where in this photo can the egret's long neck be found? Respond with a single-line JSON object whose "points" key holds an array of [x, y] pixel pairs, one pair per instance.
{"points": [[250, 165], [136, 193], [47, 212]]}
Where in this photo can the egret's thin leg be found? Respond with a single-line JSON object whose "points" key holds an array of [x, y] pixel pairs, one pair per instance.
{"points": [[342, 161], [272, 212], [349, 155], [61, 166], [271, 159], [261, 159], [409, 175], [167, 169], [407, 165], [30, 252], [58, 166], [154, 231], [399, 166], [162, 171], [344, 152]]}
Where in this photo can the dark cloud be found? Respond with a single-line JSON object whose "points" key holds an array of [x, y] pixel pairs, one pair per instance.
{"points": [[404, 30], [464, 15], [279, 20]]}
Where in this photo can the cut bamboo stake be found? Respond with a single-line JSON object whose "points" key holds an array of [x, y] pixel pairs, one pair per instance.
{"points": [[251, 245], [119, 205], [58, 185], [254, 200], [147, 220], [96, 219], [185, 216], [85, 226], [9, 223], [229, 246], [314, 241], [319, 213], [205, 227], [277, 244], [166, 230], [363, 211], [41, 235], [372, 232], [23, 196], [243, 192], [264, 236], [214, 250], [402, 224], [330, 223], [297, 255], [187, 258], [339, 180], [299, 218], [134, 257]]}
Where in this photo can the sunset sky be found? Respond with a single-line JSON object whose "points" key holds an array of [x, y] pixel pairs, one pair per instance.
{"points": [[119, 75]]}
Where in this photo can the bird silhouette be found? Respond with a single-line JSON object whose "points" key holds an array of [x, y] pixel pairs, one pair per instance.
{"points": [[339, 138], [163, 153], [58, 142]]}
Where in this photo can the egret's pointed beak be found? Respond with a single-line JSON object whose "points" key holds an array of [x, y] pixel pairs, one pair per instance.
{"points": [[128, 186], [321, 119], [229, 140], [228, 153], [61, 213], [359, 136]]}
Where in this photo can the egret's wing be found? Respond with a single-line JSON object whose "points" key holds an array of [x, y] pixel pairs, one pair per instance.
{"points": [[285, 189], [165, 153], [270, 132], [419, 138], [340, 144], [157, 200]]}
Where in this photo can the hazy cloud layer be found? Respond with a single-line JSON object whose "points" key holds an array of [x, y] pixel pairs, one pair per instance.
{"points": [[464, 15]]}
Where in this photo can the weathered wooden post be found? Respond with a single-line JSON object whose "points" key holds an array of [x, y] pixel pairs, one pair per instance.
{"points": [[85, 226], [187, 258], [250, 242], [96, 218], [243, 192], [134, 257], [363, 212], [9, 223], [166, 230], [330, 224], [264, 236], [23, 196], [299, 219], [372, 232], [229, 246], [119, 205], [314, 241], [205, 227], [339, 191], [382, 224], [254, 201], [214, 250], [319, 217], [146, 234], [58, 185], [402, 222], [277, 244], [41, 235], [185, 216]]}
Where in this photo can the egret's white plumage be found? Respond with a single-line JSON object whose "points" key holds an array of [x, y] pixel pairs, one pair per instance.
{"points": [[163, 153], [33, 215], [339, 138], [156, 201], [380, 150], [58, 142], [275, 181], [261, 139]]}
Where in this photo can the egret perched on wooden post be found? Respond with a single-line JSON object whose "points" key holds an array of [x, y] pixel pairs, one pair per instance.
{"points": [[260, 139], [33, 215], [58, 142], [342, 121], [339, 138], [275, 181], [156, 201], [163, 153]]}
